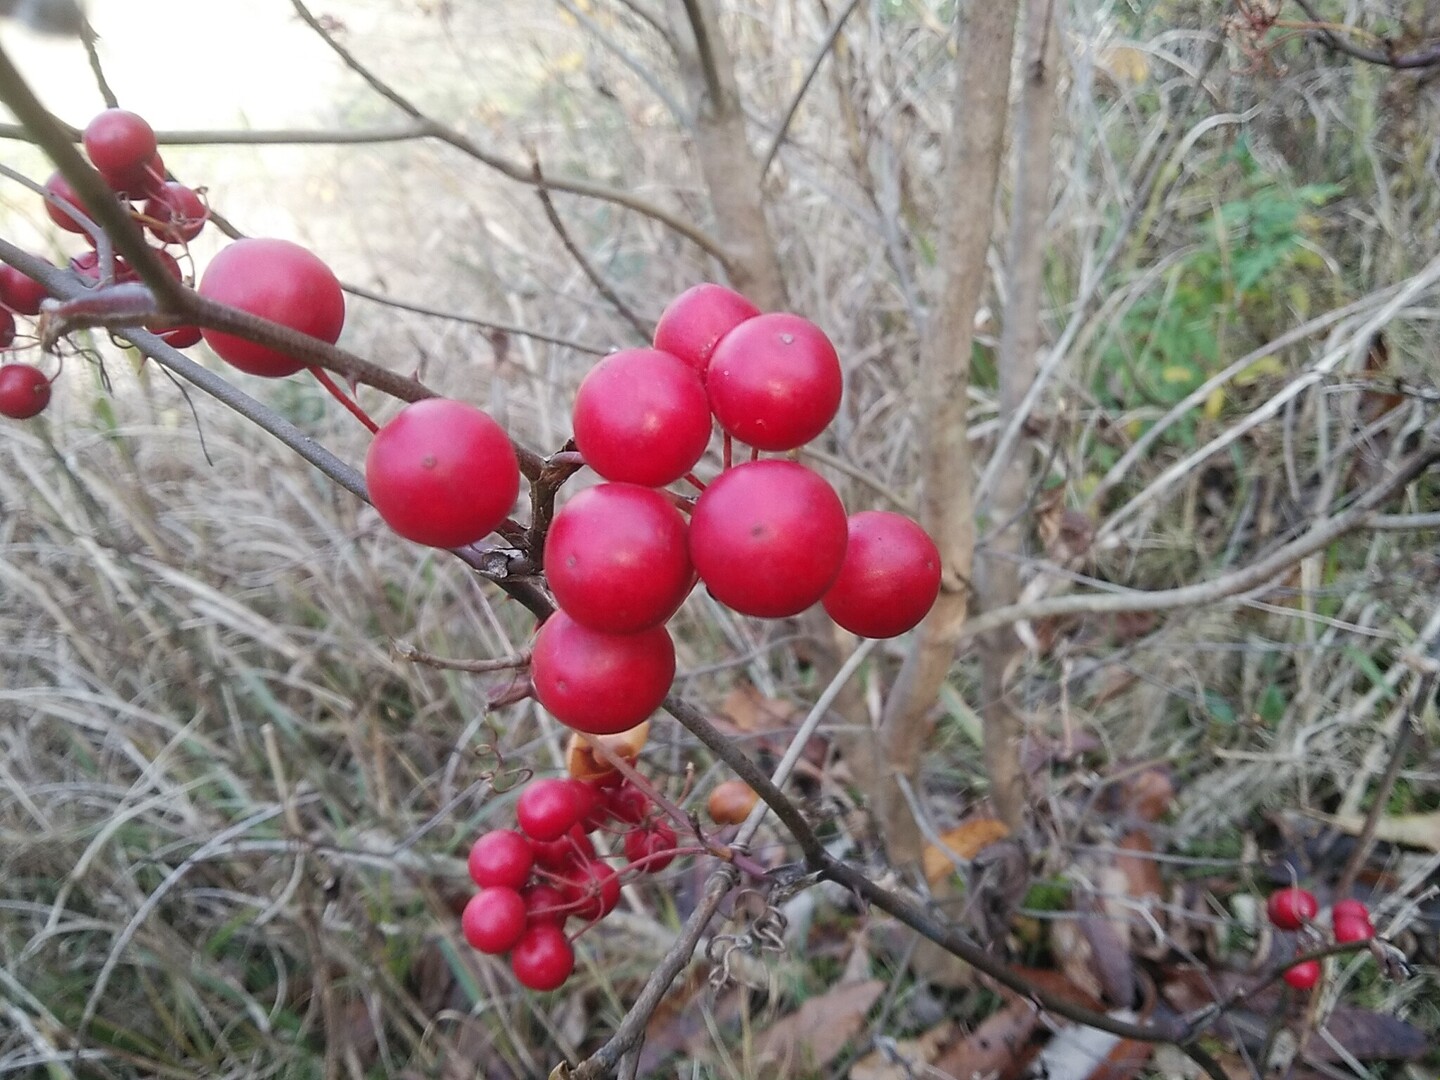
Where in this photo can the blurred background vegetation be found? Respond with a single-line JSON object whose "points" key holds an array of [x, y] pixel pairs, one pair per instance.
{"points": [[232, 821]]}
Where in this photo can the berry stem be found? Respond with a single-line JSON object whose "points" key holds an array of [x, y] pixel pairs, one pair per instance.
{"points": [[351, 406], [694, 481], [726, 449]]}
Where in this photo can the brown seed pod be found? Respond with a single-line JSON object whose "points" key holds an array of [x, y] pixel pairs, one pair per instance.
{"points": [[731, 802], [584, 762]]}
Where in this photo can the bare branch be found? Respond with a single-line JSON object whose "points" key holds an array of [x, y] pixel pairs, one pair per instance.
{"points": [[643, 329], [632, 62], [1426, 56], [828, 43]]}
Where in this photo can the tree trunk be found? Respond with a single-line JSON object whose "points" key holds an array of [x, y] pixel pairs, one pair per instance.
{"points": [[975, 150], [998, 579]]}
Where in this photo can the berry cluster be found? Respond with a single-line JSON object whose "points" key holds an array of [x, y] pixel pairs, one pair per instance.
{"points": [[274, 279], [535, 879], [1294, 908], [768, 538]]}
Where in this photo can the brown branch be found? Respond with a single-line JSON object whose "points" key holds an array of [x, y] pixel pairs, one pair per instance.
{"points": [[1379, 800], [828, 43], [999, 584], [705, 50], [515, 171], [645, 331], [1426, 56], [1251, 577]]}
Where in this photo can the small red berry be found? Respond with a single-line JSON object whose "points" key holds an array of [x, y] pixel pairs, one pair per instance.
{"points": [[593, 887], [501, 858], [23, 294], [1350, 909], [177, 214], [628, 803], [1291, 908], [542, 959], [652, 848], [549, 808], [574, 847], [890, 576], [493, 920], [694, 322], [1349, 928], [442, 473], [600, 683], [774, 381], [544, 904], [119, 141], [24, 391], [1303, 976], [60, 188]]}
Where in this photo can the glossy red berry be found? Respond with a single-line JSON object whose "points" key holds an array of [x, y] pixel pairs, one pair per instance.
{"points": [[1291, 908], [542, 959], [145, 180], [694, 322], [21, 293], [1349, 928], [627, 803], [1303, 976], [119, 141], [501, 858], [653, 848], [549, 808], [181, 337], [593, 887], [768, 538], [617, 558], [60, 188], [889, 579], [775, 381], [574, 847], [442, 473], [641, 417], [24, 391], [493, 920], [544, 904], [177, 215], [279, 281], [1349, 909], [600, 683]]}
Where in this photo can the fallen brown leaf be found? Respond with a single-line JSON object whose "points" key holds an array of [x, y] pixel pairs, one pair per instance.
{"points": [[999, 1042], [904, 1058], [813, 1035], [966, 840], [751, 711]]}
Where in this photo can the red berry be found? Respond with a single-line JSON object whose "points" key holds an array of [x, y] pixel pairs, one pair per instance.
{"points": [[641, 417], [1292, 908], [119, 141], [178, 214], [574, 847], [279, 281], [501, 858], [544, 904], [181, 337], [617, 558], [24, 391], [1303, 976], [549, 808], [694, 322], [593, 887], [145, 180], [600, 683], [442, 473], [768, 538], [775, 381], [59, 187], [1350, 928], [7, 329], [652, 848], [889, 579], [594, 807], [542, 959], [628, 803], [493, 920], [19, 292], [1350, 909]]}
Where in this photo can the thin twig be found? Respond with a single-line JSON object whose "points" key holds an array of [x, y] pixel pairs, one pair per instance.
{"points": [[828, 43], [406, 651], [1380, 799], [1259, 573], [643, 329], [1427, 56], [706, 52], [597, 33], [514, 170]]}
